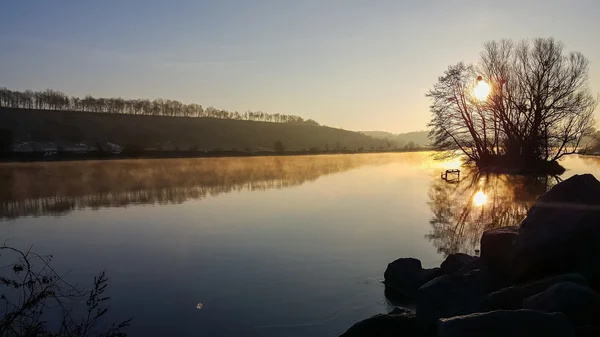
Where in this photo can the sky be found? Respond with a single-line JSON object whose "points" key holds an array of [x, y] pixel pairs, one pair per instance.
{"points": [[358, 65]]}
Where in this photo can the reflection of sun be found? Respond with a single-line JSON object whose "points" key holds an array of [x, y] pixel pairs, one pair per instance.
{"points": [[479, 199], [452, 164]]}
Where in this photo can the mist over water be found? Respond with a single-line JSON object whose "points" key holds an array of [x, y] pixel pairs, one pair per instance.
{"points": [[269, 246]]}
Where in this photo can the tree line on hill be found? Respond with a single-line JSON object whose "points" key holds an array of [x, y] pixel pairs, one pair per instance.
{"points": [[55, 100], [408, 140]]}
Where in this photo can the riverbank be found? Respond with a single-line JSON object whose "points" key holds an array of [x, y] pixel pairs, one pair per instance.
{"points": [[74, 156], [538, 279], [52, 130], [504, 164]]}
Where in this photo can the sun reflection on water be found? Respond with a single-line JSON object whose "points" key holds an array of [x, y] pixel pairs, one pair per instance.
{"points": [[480, 199]]}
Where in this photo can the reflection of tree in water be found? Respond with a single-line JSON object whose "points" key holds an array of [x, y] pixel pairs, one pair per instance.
{"points": [[463, 211], [35, 189]]}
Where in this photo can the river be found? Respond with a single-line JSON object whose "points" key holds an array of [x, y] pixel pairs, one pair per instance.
{"points": [[269, 246]]}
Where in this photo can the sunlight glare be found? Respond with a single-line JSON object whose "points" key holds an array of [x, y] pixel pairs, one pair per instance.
{"points": [[482, 90], [479, 199], [453, 163]]}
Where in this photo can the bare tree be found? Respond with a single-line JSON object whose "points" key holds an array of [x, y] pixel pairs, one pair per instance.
{"points": [[539, 109]]}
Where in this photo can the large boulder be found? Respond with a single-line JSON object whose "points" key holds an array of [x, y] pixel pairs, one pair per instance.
{"points": [[587, 331], [511, 298], [406, 275], [459, 263], [561, 232], [579, 303], [454, 295], [497, 249], [504, 323], [399, 322], [393, 298]]}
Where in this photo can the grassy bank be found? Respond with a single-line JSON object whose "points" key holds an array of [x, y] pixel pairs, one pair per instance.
{"points": [[181, 133], [70, 156]]}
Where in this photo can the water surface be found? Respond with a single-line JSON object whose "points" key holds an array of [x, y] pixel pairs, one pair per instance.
{"points": [[271, 246]]}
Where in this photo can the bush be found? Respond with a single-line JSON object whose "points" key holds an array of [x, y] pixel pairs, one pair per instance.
{"points": [[278, 147], [31, 290]]}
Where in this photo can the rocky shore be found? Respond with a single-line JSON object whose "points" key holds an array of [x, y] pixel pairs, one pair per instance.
{"points": [[541, 278]]}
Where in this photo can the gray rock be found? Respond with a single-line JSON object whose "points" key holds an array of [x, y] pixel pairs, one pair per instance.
{"points": [[579, 303], [561, 232], [497, 249], [403, 323], [453, 295], [504, 323], [406, 275], [459, 262], [511, 298]]}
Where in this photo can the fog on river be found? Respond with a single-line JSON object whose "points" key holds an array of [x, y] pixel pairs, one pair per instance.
{"points": [[270, 246]]}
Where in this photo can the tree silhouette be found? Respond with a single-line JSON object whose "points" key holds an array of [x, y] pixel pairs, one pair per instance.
{"points": [[56, 100], [539, 109]]}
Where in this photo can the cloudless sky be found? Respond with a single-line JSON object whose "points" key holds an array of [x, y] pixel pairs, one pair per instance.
{"points": [[359, 65]]}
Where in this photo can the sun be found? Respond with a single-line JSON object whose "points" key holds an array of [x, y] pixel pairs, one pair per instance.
{"points": [[479, 199], [482, 90]]}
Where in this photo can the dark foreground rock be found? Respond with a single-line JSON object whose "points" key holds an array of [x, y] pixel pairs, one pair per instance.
{"points": [[561, 232], [504, 323], [454, 295], [399, 322], [587, 331], [535, 280], [497, 249], [459, 263], [406, 275], [579, 303], [511, 298]]}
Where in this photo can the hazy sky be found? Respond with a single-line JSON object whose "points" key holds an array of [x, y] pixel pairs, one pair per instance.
{"points": [[359, 65]]}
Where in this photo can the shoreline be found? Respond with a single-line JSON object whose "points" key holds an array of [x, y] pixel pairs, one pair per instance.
{"points": [[31, 157], [539, 277]]}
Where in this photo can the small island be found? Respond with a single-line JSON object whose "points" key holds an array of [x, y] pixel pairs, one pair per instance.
{"points": [[521, 109]]}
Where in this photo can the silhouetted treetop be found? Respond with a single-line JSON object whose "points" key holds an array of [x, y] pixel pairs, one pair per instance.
{"points": [[539, 107], [55, 100]]}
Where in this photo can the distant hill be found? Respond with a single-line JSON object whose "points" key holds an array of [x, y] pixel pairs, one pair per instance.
{"points": [[417, 137], [202, 133]]}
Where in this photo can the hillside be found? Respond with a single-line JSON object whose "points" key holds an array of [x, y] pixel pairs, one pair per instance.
{"points": [[417, 137], [180, 132]]}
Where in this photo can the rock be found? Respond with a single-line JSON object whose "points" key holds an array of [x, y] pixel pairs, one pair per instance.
{"points": [[561, 232], [511, 298], [406, 275], [402, 311], [397, 299], [505, 323], [401, 324], [459, 262], [578, 303], [497, 249], [453, 295], [587, 331]]}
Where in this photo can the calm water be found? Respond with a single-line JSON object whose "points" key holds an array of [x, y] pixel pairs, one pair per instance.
{"points": [[274, 246]]}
